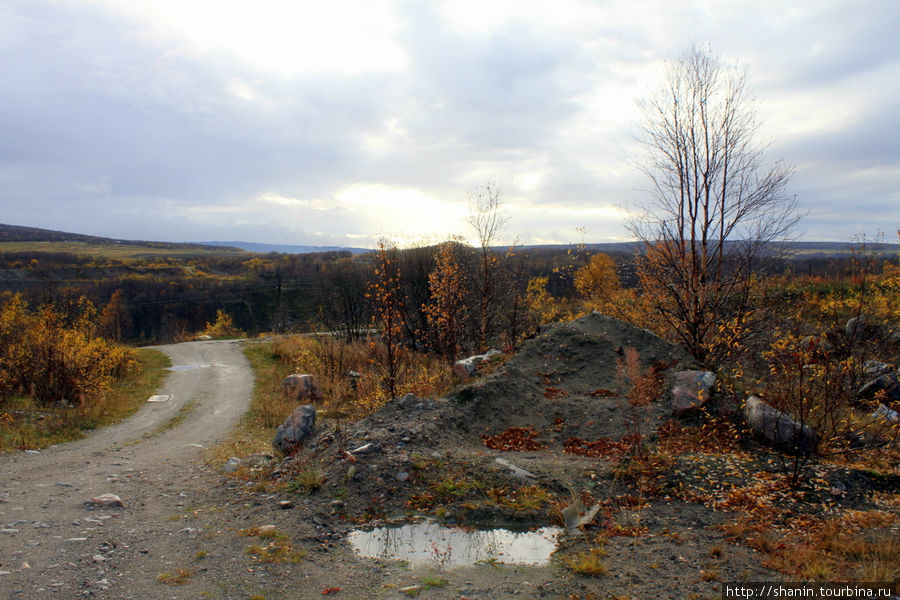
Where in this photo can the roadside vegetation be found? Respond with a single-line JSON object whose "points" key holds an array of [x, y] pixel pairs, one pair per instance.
{"points": [[26, 424]]}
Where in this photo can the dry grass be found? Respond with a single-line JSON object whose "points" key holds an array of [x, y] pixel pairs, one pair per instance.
{"points": [[179, 577], [331, 361], [589, 562], [279, 548]]}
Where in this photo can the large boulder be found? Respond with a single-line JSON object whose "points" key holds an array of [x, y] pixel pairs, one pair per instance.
{"points": [[300, 388], [297, 427], [467, 368], [886, 387], [779, 429], [691, 390]]}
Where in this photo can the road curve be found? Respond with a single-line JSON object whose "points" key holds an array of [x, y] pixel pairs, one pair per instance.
{"points": [[147, 460]]}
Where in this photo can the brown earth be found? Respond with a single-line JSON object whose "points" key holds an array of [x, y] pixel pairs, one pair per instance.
{"points": [[188, 531]]}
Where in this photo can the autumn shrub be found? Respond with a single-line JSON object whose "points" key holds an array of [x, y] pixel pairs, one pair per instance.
{"points": [[54, 357], [644, 385], [223, 327], [544, 307], [350, 379]]}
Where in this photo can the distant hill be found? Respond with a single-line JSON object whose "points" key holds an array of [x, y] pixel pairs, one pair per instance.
{"points": [[10, 234], [285, 248], [18, 233]]}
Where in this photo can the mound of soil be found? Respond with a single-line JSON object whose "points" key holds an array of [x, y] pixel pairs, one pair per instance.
{"points": [[563, 385]]}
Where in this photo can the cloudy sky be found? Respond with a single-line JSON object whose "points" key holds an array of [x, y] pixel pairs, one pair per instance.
{"points": [[335, 122]]}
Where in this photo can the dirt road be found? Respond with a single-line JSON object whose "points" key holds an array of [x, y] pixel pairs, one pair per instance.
{"points": [[50, 542]]}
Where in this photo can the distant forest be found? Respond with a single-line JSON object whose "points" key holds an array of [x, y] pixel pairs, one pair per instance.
{"points": [[165, 296]]}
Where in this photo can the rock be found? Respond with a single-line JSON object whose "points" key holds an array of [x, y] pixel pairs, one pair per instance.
{"points": [[889, 384], [402, 476], [232, 465], [365, 449], [300, 388], [296, 428], [204, 338], [466, 368], [875, 368], [354, 378], [859, 327], [285, 504], [779, 429], [408, 401], [517, 472], [575, 515], [104, 501], [691, 390], [412, 590], [883, 412]]}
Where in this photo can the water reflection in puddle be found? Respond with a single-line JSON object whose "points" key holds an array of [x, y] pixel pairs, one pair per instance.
{"points": [[430, 543]]}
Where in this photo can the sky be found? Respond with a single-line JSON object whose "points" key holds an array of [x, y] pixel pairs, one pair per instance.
{"points": [[339, 122]]}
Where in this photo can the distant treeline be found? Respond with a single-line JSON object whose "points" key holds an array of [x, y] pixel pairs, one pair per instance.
{"points": [[166, 298]]}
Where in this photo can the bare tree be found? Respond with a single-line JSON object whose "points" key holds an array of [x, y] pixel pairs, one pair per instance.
{"points": [[487, 219], [714, 207]]}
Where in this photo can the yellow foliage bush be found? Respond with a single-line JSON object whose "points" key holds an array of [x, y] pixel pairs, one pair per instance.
{"points": [[49, 356], [224, 327], [331, 360]]}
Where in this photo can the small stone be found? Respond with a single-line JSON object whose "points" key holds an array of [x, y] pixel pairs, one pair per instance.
{"points": [[65, 485], [104, 501], [883, 412], [9, 530], [337, 504], [402, 476], [97, 558], [411, 590], [364, 449], [285, 504], [264, 529], [231, 465], [351, 472]]}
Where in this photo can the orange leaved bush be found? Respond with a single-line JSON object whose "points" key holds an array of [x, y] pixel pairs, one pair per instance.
{"points": [[51, 356]]}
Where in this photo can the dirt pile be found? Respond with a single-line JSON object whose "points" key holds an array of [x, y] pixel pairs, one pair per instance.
{"points": [[419, 454]]}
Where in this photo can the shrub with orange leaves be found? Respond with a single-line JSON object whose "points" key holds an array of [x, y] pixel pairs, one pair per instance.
{"points": [[50, 356]]}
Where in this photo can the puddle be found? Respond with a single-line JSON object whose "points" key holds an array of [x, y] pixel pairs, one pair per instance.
{"points": [[430, 543], [183, 367]]}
